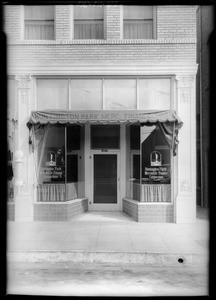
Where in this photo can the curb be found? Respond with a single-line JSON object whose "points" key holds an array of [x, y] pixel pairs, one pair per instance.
{"points": [[167, 259]]}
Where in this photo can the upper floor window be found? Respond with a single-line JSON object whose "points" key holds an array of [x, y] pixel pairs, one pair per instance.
{"points": [[39, 22], [88, 22], [138, 22]]}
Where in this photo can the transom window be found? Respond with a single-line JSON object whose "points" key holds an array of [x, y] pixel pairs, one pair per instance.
{"points": [[138, 22], [88, 22], [82, 93], [105, 137], [39, 22]]}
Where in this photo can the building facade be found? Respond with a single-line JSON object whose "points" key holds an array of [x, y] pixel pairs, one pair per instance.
{"points": [[102, 111]]}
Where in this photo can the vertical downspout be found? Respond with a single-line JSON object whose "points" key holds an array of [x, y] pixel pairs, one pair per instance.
{"points": [[201, 127]]}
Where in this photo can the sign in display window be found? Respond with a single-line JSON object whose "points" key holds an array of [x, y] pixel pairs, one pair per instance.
{"points": [[150, 168]]}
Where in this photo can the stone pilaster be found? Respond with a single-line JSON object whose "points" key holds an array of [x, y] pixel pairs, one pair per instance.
{"points": [[23, 191], [186, 194]]}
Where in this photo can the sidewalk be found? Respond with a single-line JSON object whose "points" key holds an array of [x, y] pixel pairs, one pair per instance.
{"points": [[109, 237]]}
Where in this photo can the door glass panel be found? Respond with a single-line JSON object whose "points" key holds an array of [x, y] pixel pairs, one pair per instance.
{"points": [[105, 178]]}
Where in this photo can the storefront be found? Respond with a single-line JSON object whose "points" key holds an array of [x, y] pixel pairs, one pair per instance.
{"points": [[106, 160]]}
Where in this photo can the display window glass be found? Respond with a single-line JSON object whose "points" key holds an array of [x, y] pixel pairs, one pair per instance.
{"points": [[60, 168], [149, 166]]}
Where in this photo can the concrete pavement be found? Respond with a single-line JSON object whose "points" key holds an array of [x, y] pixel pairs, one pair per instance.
{"points": [[110, 237]]}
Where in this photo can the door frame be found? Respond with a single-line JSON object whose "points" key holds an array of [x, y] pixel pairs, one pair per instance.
{"points": [[104, 206]]}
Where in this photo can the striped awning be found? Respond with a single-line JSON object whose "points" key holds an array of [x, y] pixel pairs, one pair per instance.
{"points": [[103, 117]]}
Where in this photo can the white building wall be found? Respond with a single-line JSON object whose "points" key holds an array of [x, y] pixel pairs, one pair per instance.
{"points": [[172, 53]]}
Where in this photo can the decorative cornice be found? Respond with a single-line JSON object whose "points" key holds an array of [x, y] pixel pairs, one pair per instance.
{"points": [[23, 81], [105, 69]]}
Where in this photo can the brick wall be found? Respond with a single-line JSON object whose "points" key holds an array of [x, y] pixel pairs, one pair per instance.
{"points": [[12, 22], [61, 211], [130, 208], [145, 212], [176, 21], [113, 22], [101, 54], [175, 43], [63, 15]]}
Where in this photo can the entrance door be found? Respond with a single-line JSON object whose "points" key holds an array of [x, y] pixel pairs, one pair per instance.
{"points": [[105, 182]]}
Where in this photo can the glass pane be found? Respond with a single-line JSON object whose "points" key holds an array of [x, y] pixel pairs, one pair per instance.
{"points": [[52, 94], [138, 29], [133, 162], [86, 94], [51, 162], [137, 12], [105, 136], [73, 137], [39, 30], [72, 168], [44, 12], [120, 93], [134, 137], [75, 162], [88, 29], [88, 12], [154, 93], [105, 178], [156, 164]]}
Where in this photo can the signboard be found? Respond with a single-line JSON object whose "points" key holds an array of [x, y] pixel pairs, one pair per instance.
{"points": [[53, 174], [157, 174], [54, 167], [94, 115]]}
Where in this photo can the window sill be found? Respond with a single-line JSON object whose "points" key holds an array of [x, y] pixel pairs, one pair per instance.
{"points": [[104, 42]]}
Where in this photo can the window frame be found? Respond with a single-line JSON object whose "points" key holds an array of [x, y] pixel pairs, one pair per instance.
{"points": [[117, 126], [154, 24], [22, 34], [103, 78], [73, 25]]}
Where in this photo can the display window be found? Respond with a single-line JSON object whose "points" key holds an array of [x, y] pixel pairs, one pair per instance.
{"points": [[149, 170], [59, 163]]}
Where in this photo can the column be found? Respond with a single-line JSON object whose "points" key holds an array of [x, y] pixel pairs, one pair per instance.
{"points": [[186, 156], [23, 189]]}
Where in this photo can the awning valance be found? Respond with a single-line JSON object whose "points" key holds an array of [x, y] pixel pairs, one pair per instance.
{"points": [[102, 116], [167, 120]]}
